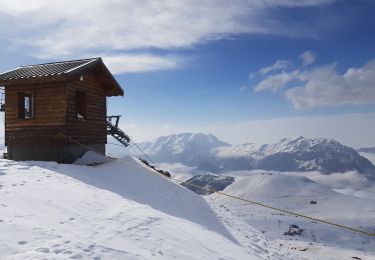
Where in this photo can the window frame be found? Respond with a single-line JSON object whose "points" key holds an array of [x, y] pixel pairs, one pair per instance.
{"points": [[80, 105], [21, 108]]}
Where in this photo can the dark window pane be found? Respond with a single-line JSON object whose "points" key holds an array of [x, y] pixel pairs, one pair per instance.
{"points": [[28, 101], [80, 105], [25, 106]]}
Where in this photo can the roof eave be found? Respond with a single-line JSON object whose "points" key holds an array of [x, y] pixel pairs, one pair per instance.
{"points": [[73, 73], [119, 88], [34, 80]]}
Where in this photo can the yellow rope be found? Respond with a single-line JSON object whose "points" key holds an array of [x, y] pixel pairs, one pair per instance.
{"points": [[285, 211], [364, 232]]}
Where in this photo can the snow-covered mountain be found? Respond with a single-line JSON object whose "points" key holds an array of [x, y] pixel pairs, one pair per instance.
{"points": [[208, 153], [295, 154], [187, 148]]}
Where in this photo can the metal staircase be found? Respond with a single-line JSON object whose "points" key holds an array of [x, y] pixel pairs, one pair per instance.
{"points": [[2, 109], [115, 131]]}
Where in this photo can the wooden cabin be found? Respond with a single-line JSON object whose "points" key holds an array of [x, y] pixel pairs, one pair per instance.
{"points": [[50, 108]]}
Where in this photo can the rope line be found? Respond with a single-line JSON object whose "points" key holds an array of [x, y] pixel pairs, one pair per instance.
{"points": [[285, 211], [142, 150], [296, 214]]}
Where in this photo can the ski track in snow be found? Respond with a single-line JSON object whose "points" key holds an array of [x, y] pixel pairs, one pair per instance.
{"points": [[281, 247], [249, 237], [318, 241]]}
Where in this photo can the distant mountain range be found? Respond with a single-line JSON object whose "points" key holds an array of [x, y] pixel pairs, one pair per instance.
{"points": [[183, 148], [367, 150], [208, 153]]}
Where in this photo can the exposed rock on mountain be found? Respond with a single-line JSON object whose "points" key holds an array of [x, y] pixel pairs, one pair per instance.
{"points": [[208, 183]]}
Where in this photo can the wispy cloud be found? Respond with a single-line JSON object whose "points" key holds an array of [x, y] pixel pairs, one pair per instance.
{"points": [[140, 62], [68, 28], [277, 81], [322, 85], [308, 57], [278, 65]]}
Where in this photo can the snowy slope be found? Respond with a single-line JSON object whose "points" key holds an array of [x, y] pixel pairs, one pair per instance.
{"points": [[295, 193], [112, 211], [121, 210]]}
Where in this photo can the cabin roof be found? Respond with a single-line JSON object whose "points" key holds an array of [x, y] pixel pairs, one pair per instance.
{"points": [[64, 68]]}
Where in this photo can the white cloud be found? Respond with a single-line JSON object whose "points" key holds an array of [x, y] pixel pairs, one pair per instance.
{"points": [[308, 58], [69, 28], [277, 81], [324, 86], [350, 183], [140, 62], [278, 65]]}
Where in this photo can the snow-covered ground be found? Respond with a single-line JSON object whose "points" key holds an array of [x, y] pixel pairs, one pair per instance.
{"points": [[118, 210], [122, 210], [295, 192]]}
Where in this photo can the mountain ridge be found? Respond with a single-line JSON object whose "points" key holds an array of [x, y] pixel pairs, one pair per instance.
{"points": [[208, 153], [184, 148]]}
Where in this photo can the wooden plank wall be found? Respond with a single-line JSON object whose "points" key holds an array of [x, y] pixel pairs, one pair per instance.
{"points": [[92, 129], [49, 115]]}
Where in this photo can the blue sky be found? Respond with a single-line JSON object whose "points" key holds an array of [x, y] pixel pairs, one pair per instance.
{"points": [[248, 71]]}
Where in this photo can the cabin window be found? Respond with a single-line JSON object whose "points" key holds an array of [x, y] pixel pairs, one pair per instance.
{"points": [[80, 105], [25, 106]]}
